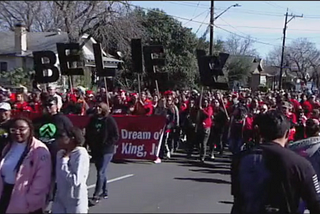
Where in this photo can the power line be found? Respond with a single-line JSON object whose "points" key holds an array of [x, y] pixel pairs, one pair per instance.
{"points": [[196, 16], [233, 27], [203, 22], [255, 40], [245, 11], [245, 37], [230, 32], [276, 28]]}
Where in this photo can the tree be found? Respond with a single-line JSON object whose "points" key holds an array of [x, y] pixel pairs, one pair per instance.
{"points": [[241, 52], [180, 46], [301, 57], [17, 77], [109, 22], [74, 17], [235, 45], [238, 70]]}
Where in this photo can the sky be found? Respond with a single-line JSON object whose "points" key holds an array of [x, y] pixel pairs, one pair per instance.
{"points": [[262, 20]]}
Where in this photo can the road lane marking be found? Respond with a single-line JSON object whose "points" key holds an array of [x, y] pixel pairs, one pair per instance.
{"points": [[113, 180]]}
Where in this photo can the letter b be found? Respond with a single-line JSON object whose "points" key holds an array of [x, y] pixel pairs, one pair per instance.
{"points": [[40, 66]]}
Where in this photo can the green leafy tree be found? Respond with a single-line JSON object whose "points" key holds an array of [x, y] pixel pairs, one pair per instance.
{"points": [[17, 77], [180, 45], [238, 70]]}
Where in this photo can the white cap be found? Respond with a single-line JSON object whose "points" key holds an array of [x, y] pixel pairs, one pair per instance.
{"points": [[5, 106]]}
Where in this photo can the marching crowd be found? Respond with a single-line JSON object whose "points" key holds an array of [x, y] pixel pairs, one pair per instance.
{"points": [[209, 122]]}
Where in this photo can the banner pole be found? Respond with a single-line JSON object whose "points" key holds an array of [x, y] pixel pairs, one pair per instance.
{"points": [[157, 88], [160, 142], [224, 107], [107, 94], [71, 84], [139, 84], [200, 104]]}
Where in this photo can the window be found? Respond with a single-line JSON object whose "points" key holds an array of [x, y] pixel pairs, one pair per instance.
{"points": [[3, 66]]}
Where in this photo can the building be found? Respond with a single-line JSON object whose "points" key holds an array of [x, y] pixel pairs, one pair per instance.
{"points": [[255, 66], [16, 48]]}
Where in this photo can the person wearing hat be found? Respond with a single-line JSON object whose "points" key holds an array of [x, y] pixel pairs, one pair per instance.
{"points": [[47, 128], [5, 116]]}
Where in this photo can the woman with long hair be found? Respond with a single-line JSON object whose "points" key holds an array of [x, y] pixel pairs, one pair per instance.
{"points": [[25, 169], [72, 171], [102, 135]]}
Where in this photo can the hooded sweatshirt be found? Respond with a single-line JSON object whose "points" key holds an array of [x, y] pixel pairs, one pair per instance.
{"points": [[71, 177]]}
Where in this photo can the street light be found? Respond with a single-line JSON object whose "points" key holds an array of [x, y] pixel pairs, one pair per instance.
{"points": [[211, 25], [228, 8]]}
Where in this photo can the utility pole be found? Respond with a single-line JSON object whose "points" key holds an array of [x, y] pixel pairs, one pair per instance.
{"points": [[211, 27], [286, 22]]}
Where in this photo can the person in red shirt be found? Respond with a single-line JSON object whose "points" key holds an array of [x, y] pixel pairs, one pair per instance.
{"points": [[90, 99], [308, 106], [204, 127], [286, 110], [155, 101], [123, 97], [35, 102], [147, 104], [21, 105], [293, 100]]}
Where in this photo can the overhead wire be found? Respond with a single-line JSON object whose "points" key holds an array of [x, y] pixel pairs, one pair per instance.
{"points": [[219, 27], [202, 23], [208, 11], [245, 11]]}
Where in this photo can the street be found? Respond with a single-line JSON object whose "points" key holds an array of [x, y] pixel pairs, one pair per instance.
{"points": [[174, 186]]}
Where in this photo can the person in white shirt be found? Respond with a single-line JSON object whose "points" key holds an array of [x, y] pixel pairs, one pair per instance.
{"points": [[53, 92], [72, 170]]}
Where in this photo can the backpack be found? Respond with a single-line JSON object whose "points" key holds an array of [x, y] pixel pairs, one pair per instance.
{"points": [[255, 192]]}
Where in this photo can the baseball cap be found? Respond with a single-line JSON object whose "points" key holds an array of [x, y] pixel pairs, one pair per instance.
{"points": [[5, 106]]}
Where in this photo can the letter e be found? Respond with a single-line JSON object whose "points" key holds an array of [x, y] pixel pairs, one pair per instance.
{"points": [[67, 60]]}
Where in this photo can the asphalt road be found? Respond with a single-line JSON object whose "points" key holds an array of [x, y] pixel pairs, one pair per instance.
{"points": [[174, 186]]}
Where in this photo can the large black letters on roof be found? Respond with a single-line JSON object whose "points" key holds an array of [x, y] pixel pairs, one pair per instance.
{"points": [[40, 67], [67, 59], [100, 70]]}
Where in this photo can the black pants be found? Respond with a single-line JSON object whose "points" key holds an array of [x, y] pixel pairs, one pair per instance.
{"points": [[5, 199], [216, 139], [191, 140]]}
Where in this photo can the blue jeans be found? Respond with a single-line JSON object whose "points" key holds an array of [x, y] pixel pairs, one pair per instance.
{"points": [[101, 164], [235, 145]]}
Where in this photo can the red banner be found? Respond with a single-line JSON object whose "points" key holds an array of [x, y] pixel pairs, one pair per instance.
{"points": [[139, 135]]}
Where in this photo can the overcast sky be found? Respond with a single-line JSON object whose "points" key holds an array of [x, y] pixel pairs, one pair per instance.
{"points": [[262, 20]]}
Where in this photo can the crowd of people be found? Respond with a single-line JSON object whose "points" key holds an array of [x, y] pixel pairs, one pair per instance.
{"points": [[208, 122]]}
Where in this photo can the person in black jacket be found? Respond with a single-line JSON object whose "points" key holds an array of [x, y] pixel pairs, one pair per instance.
{"points": [[5, 116], [271, 178], [102, 135], [46, 129]]}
